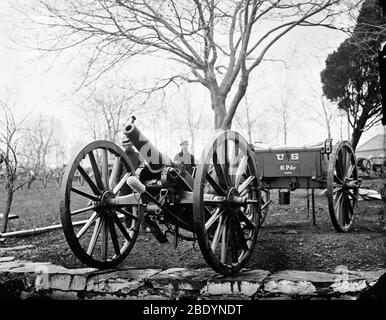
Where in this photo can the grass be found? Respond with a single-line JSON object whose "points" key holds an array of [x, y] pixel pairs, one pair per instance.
{"points": [[288, 239]]}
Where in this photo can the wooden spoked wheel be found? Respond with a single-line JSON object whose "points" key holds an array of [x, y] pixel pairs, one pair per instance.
{"points": [[265, 197], [226, 206], [342, 186], [383, 192], [364, 165], [99, 234]]}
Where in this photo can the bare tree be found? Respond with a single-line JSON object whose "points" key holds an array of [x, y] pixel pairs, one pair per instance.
{"points": [[325, 113], [106, 115], [216, 43], [192, 117], [38, 146], [59, 150], [282, 112], [285, 111], [11, 132]]}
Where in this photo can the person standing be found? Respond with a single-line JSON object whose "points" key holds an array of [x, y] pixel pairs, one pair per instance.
{"points": [[184, 157]]}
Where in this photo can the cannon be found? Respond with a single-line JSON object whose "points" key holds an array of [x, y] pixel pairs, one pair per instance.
{"points": [[219, 205]]}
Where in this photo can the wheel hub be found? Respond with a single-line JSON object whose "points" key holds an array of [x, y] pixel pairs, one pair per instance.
{"points": [[232, 193], [105, 205]]}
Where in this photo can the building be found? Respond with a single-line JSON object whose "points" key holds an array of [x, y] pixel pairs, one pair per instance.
{"points": [[374, 147]]}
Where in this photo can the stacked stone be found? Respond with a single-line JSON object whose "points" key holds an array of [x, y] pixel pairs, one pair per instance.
{"points": [[32, 280]]}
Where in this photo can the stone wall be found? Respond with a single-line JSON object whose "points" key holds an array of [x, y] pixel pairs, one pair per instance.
{"points": [[31, 280]]}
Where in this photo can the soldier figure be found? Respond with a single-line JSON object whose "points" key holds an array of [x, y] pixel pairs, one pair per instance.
{"points": [[184, 157]]}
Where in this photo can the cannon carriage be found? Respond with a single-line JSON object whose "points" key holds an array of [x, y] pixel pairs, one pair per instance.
{"points": [[222, 205], [219, 205]]}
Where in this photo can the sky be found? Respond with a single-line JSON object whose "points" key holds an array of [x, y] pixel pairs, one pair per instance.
{"points": [[46, 84]]}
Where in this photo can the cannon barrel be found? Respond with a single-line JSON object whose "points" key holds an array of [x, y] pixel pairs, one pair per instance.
{"points": [[148, 152]]}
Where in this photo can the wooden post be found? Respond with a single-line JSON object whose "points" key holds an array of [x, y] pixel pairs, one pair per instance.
{"points": [[313, 207], [384, 140], [35, 231]]}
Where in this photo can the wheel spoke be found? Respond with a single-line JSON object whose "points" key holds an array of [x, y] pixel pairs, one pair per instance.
{"points": [[218, 233], [213, 218], [336, 189], [241, 169], [95, 169], [87, 178], [350, 170], [94, 237], [226, 165], [337, 199], [84, 210], [224, 242], [105, 168], [126, 213], [92, 219], [344, 161], [121, 183], [232, 236], [215, 185], [121, 228], [114, 237], [240, 234], [345, 217], [248, 223], [350, 163], [339, 207], [244, 186], [338, 168], [236, 156], [349, 207], [105, 240], [218, 168], [115, 172], [337, 179], [352, 195], [84, 194]]}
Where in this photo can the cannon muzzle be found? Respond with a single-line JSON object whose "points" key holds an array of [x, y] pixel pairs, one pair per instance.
{"points": [[148, 152]]}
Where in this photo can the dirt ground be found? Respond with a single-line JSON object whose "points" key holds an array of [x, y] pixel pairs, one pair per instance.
{"points": [[288, 239]]}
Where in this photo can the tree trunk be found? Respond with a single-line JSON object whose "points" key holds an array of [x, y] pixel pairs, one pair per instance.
{"points": [[223, 118], [8, 203], [356, 135], [218, 106], [358, 129]]}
